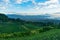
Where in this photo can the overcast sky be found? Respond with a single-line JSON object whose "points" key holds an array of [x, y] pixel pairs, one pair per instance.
{"points": [[29, 7]]}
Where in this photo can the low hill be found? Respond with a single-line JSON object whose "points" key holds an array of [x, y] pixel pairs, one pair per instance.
{"points": [[3, 17]]}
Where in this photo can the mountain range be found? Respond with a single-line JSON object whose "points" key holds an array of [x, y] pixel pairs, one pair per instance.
{"points": [[35, 17]]}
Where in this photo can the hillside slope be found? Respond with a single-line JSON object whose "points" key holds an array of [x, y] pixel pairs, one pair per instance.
{"points": [[17, 29], [49, 35]]}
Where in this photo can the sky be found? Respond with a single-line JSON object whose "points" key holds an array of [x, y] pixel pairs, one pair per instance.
{"points": [[29, 7]]}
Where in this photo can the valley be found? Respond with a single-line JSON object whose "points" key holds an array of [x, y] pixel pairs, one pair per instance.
{"points": [[18, 29]]}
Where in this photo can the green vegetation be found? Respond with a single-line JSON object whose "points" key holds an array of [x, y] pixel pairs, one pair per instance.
{"points": [[17, 29]]}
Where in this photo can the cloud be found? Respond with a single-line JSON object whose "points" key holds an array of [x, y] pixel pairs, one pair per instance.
{"points": [[39, 5], [47, 4], [21, 1], [50, 6], [6, 1], [2, 8]]}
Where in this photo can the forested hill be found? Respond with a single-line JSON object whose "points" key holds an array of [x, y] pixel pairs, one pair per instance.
{"points": [[3, 17]]}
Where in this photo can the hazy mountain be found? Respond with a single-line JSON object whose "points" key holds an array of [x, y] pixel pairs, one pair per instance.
{"points": [[29, 17], [35, 17]]}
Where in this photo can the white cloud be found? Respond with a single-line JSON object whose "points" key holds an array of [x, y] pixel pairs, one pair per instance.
{"points": [[20, 1], [50, 6], [2, 8], [6, 1]]}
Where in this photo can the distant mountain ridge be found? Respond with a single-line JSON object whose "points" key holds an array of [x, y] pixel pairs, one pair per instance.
{"points": [[35, 17], [29, 17]]}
